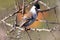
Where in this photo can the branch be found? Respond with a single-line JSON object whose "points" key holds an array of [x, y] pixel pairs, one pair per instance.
{"points": [[48, 22], [48, 30], [47, 9]]}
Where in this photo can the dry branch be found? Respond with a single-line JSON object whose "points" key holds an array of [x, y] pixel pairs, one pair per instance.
{"points": [[47, 9]]}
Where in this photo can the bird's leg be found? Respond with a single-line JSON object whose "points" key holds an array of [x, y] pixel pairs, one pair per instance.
{"points": [[27, 28]]}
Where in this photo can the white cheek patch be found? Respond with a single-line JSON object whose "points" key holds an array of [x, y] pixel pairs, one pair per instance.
{"points": [[33, 10]]}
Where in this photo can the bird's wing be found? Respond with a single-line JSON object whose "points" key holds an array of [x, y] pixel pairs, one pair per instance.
{"points": [[23, 22]]}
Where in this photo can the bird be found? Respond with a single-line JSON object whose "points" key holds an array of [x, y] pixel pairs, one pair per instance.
{"points": [[29, 18]]}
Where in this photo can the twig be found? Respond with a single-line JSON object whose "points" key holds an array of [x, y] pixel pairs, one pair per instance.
{"points": [[28, 34], [47, 9]]}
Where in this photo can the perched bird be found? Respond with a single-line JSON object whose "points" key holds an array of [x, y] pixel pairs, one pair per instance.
{"points": [[32, 14], [29, 18]]}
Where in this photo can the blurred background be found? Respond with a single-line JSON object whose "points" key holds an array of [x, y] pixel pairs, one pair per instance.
{"points": [[8, 7]]}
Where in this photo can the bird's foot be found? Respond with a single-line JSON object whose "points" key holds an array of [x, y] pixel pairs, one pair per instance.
{"points": [[16, 25]]}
